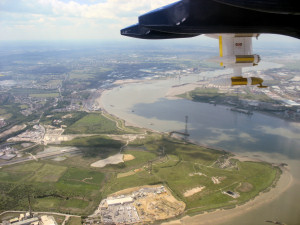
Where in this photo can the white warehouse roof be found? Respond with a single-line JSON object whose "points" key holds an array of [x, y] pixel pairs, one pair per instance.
{"points": [[119, 201]]}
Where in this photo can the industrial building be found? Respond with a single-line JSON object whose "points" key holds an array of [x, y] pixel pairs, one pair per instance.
{"points": [[26, 219], [119, 201]]}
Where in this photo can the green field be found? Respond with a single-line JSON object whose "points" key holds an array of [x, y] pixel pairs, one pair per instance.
{"points": [[48, 173], [67, 118], [74, 221], [73, 186], [80, 180], [141, 157], [93, 123], [47, 95], [84, 75], [178, 170], [52, 187], [122, 126]]}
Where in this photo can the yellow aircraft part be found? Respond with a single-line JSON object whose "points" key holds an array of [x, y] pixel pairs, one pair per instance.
{"points": [[238, 81], [235, 81], [221, 46], [256, 80], [244, 59]]}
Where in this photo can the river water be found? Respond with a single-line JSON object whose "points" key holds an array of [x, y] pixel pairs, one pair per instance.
{"points": [[260, 136]]}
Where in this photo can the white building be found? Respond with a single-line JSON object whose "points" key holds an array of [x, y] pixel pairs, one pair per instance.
{"points": [[119, 201]]}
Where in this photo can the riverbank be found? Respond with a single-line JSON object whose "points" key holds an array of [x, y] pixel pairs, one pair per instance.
{"points": [[219, 216], [205, 93]]}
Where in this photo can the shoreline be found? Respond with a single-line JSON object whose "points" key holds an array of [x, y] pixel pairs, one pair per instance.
{"points": [[217, 216], [174, 92], [224, 215]]}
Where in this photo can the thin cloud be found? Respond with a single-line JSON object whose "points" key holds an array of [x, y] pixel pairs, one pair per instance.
{"points": [[52, 16]]}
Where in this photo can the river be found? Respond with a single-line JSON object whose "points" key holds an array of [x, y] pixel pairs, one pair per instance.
{"points": [[259, 136]]}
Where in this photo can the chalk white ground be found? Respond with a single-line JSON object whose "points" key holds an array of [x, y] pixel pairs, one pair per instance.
{"points": [[193, 191], [115, 159]]}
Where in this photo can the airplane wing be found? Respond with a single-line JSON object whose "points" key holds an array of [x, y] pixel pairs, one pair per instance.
{"points": [[233, 22], [189, 18]]}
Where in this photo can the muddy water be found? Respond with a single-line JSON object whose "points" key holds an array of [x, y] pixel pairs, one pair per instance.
{"points": [[258, 136]]}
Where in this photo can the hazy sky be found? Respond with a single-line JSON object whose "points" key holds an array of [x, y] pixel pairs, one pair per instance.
{"points": [[66, 19], [79, 19]]}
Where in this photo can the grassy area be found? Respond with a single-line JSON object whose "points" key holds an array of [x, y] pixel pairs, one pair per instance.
{"points": [[73, 186], [180, 170], [47, 95], [141, 157], [74, 221], [204, 94], [24, 106], [121, 124], [88, 75], [67, 118], [59, 219], [94, 146], [93, 123], [83, 176], [76, 203], [52, 187], [83, 186], [47, 203], [48, 173]]}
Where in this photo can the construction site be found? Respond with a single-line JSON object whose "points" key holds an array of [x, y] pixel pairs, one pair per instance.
{"points": [[139, 205]]}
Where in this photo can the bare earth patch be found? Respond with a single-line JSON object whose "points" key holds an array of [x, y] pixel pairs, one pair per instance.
{"points": [[115, 159], [126, 174], [193, 191], [128, 157], [215, 180], [245, 187], [129, 173], [12, 130]]}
